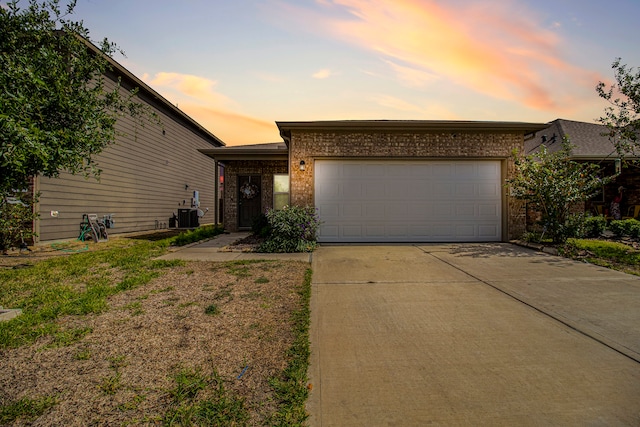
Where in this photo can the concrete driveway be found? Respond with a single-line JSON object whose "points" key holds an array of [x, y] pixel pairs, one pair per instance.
{"points": [[475, 334]]}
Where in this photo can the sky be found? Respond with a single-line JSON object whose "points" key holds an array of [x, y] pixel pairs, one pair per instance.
{"points": [[237, 66]]}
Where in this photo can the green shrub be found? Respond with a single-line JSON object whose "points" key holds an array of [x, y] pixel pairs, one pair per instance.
{"points": [[625, 227], [293, 229], [196, 235], [594, 226]]}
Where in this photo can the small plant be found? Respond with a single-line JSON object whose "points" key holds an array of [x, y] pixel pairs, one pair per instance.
{"points": [[199, 399], [83, 355], [240, 271], [212, 310], [261, 280], [111, 384], [26, 408], [293, 229], [135, 308]]}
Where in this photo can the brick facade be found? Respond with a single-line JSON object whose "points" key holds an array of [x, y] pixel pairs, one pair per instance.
{"points": [[473, 145], [265, 168]]}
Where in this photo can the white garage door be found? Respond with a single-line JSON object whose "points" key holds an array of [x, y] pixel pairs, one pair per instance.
{"points": [[408, 201]]}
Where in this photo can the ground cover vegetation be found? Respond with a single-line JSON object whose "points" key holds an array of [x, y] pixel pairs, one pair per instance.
{"points": [[113, 336], [617, 255]]}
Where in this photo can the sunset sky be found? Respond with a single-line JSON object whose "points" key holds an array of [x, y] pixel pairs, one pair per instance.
{"points": [[237, 66]]}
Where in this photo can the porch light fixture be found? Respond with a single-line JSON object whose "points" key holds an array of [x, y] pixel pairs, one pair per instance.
{"points": [[618, 164], [302, 165]]}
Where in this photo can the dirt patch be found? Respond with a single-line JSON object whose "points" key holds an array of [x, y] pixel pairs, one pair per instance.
{"points": [[232, 318], [250, 243]]}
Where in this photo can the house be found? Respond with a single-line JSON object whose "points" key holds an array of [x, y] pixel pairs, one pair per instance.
{"points": [[591, 143], [383, 181], [150, 174]]}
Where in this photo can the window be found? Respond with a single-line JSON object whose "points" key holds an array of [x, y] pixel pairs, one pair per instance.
{"points": [[280, 191]]}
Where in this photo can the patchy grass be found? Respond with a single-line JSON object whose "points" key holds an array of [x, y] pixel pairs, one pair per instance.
{"points": [[202, 400], [291, 387], [73, 285], [104, 332], [24, 409]]}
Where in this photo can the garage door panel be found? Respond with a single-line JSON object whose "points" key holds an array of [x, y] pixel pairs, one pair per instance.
{"points": [[397, 210], [404, 201], [351, 190], [353, 210], [488, 170], [353, 171], [488, 190], [465, 211], [396, 191], [465, 231], [466, 170], [488, 231], [465, 190], [351, 230]]}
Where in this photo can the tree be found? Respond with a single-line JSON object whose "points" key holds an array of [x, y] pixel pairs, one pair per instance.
{"points": [[56, 112], [551, 183], [622, 117]]}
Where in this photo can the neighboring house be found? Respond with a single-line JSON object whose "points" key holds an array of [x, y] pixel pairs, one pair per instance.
{"points": [[591, 143], [383, 181], [151, 173]]}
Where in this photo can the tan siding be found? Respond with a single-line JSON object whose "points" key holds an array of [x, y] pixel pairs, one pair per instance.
{"points": [[143, 181]]}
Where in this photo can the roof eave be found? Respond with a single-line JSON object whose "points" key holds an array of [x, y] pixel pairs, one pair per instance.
{"points": [[229, 154], [407, 125]]}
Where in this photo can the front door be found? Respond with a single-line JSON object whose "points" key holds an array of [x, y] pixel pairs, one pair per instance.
{"points": [[249, 196]]}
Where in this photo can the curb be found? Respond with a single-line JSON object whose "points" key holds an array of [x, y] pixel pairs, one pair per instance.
{"points": [[536, 246]]}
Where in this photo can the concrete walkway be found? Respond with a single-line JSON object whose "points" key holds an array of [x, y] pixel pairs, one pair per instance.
{"points": [[216, 249], [474, 334]]}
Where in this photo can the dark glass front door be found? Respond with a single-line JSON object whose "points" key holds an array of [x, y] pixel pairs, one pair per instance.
{"points": [[249, 196]]}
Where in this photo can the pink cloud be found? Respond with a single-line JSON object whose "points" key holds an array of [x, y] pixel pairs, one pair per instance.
{"points": [[198, 97], [232, 127], [325, 73], [196, 87], [497, 49]]}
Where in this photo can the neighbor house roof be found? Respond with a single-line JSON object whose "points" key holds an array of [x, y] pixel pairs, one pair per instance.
{"points": [[146, 91], [589, 140], [267, 151], [406, 125]]}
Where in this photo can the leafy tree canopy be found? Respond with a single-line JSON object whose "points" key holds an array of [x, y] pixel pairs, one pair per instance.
{"points": [[56, 112], [622, 117], [551, 183]]}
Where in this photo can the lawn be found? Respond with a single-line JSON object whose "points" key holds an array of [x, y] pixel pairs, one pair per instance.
{"points": [[111, 336], [611, 254]]}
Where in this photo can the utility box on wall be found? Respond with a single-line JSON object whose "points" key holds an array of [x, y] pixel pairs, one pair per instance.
{"points": [[188, 218]]}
